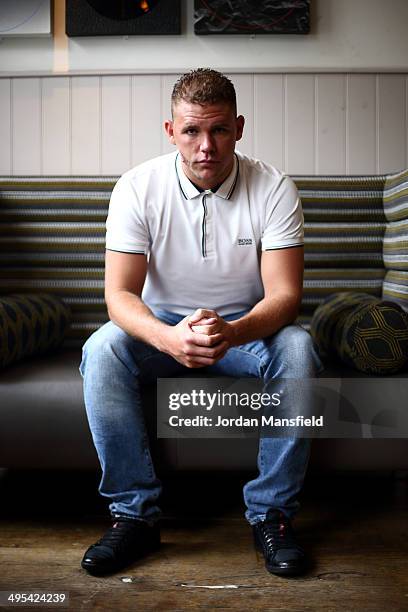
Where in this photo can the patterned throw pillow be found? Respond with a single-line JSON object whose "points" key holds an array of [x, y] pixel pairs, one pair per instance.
{"points": [[363, 331], [30, 324]]}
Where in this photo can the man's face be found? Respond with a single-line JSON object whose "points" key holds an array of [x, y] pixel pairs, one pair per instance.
{"points": [[206, 137]]}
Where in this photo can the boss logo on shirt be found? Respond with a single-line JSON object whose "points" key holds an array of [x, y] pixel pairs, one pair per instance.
{"points": [[244, 241]]}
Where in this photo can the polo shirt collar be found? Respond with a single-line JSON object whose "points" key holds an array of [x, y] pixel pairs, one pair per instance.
{"points": [[225, 190]]}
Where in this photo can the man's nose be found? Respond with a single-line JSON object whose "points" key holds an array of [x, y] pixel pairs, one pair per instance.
{"points": [[207, 143]]}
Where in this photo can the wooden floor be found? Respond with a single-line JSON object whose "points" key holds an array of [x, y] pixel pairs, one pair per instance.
{"points": [[353, 525]]}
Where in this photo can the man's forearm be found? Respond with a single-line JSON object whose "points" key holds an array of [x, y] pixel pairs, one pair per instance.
{"points": [[130, 313], [265, 318]]}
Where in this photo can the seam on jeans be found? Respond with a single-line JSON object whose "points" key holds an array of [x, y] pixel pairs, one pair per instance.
{"points": [[261, 363], [131, 370], [148, 455]]}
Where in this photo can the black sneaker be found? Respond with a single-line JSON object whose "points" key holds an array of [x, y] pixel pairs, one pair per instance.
{"points": [[275, 538], [126, 541]]}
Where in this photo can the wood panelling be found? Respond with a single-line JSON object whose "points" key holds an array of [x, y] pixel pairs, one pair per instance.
{"points": [[269, 135], [391, 121], [302, 123], [26, 126], [244, 87], [330, 124], [86, 125], [56, 136], [166, 86], [115, 124], [146, 118], [5, 127], [361, 132], [352, 525]]}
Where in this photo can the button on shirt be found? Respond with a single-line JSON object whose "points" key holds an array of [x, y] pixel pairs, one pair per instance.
{"points": [[203, 248]]}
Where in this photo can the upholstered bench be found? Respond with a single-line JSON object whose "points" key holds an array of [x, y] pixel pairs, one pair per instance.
{"points": [[52, 232]]}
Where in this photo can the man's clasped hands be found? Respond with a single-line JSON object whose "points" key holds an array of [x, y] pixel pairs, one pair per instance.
{"points": [[200, 339]]}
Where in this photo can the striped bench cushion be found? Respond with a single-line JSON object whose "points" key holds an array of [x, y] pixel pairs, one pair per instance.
{"points": [[52, 240], [395, 251], [395, 287], [396, 212], [320, 283], [344, 220], [341, 198]]}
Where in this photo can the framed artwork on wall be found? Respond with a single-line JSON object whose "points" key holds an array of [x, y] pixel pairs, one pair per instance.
{"points": [[25, 18], [251, 17], [122, 17]]}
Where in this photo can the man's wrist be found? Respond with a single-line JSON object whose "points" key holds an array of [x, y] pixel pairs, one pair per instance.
{"points": [[236, 328], [161, 339]]}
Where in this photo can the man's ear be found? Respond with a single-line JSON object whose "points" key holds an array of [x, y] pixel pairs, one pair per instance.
{"points": [[169, 129], [240, 126]]}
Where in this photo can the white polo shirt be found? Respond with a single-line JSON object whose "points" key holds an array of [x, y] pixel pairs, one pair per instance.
{"points": [[203, 248]]}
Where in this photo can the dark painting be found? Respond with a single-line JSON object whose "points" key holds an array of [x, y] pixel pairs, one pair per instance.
{"points": [[251, 17], [122, 17]]}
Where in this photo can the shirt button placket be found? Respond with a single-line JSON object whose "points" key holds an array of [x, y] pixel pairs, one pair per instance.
{"points": [[209, 235]]}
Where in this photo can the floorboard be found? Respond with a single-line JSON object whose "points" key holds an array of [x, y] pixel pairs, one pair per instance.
{"points": [[353, 525]]}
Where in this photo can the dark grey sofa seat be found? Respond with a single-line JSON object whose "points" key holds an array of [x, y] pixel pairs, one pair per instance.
{"points": [[43, 425]]}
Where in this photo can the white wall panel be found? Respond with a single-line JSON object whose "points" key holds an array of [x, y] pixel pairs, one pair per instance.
{"points": [[268, 119], [330, 124], [26, 126], [86, 125], [115, 124], [300, 124], [5, 127], [244, 87], [361, 131], [56, 137], [391, 121], [146, 118], [166, 87]]}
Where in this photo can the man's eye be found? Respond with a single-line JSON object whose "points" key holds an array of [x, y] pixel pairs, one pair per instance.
{"points": [[220, 130], [191, 131]]}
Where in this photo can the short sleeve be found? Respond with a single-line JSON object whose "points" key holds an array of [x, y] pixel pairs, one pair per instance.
{"points": [[126, 226], [283, 217]]}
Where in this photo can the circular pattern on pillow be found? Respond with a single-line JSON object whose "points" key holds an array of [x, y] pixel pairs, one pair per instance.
{"points": [[364, 332], [31, 324], [328, 319]]}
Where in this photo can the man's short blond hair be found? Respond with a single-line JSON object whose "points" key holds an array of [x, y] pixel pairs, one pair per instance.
{"points": [[204, 86]]}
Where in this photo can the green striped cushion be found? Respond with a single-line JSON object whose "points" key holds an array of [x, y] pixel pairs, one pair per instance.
{"points": [[344, 244], [52, 239], [341, 198], [344, 220], [396, 210], [396, 245], [319, 283], [396, 196], [395, 287]]}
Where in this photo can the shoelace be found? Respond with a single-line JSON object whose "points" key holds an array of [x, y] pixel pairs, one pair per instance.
{"points": [[118, 536], [278, 534]]}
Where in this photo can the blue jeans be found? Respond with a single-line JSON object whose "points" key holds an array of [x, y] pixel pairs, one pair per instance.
{"points": [[113, 367]]}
